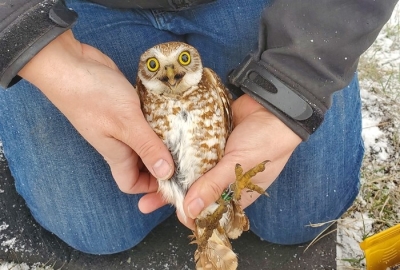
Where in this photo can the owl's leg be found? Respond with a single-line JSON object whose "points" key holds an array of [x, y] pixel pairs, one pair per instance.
{"points": [[210, 222], [213, 228], [214, 250], [244, 180]]}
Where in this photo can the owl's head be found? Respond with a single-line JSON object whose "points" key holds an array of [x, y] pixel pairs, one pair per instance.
{"points": [[170, 68]]}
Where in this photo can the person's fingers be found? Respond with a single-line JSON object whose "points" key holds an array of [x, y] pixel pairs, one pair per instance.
{"points": [[132, 181], [103, 107], [150, 148], [128, 174], [208, 188], [151, 202], [188, 222]]}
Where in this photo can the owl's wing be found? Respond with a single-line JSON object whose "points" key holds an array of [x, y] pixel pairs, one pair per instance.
{"points": [[225, 99]]}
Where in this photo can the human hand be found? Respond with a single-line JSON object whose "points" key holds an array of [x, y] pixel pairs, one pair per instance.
{"points": [[258, 135], [87, 87]]}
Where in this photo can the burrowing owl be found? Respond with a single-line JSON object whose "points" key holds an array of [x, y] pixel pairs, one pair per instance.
{"points": [[188, 107]]}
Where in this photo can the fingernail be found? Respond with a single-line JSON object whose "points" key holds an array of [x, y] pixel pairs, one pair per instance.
{"points": [[195, 207], [162, 169]]}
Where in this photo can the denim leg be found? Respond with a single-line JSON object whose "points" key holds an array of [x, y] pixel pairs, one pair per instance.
{"points": [[321, 179], [66, 184]]}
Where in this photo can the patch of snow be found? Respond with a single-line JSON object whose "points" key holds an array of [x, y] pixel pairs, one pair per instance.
{"points": [[8, 266], [3, 226], [23, 266], [9, 243], [351, 232]]}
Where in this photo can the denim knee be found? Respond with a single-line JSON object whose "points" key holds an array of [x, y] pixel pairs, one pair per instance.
{"points": [[290, 225], [103, 233], [97, 240]]}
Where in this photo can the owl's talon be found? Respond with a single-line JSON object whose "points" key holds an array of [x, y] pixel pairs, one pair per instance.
{"points": [[243, 180]]}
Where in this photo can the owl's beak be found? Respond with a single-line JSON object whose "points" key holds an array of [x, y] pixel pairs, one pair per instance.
{"points": [[172, 78], [171, 75]]}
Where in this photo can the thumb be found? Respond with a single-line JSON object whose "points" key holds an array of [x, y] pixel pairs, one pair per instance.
{"points": [[150, 148], [208, 188]]}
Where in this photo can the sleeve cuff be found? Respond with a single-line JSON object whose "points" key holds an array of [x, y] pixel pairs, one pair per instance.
{"points": [[299, 114], [28, 34]]}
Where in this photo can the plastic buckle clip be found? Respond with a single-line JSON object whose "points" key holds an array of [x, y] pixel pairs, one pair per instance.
{"points": [[61, 15]]}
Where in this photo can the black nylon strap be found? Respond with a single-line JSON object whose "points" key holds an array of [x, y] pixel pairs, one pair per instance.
{"points": [[255, 80]]}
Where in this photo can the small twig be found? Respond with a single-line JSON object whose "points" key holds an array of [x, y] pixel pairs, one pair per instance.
{"points": [[384, 204], [378, 125], [391, 60], [317, 238], [316, 225]]}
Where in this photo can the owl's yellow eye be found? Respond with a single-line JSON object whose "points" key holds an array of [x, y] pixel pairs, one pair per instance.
{"points": [[153, 64], [184, 58]]}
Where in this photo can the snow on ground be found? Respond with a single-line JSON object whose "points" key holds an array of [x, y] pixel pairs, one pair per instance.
{"points": [[380, 89], [23, 266]]}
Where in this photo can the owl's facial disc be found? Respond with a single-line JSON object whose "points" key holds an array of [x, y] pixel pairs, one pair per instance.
{"points": [[170, 68]]}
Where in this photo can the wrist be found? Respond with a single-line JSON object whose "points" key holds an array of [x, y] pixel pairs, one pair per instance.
{"points": [[51, 60], [38, 22], [245, 106]]}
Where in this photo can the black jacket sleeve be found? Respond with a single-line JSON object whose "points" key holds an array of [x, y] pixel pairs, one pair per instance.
{"points": [[308, 50], [26, 26]]}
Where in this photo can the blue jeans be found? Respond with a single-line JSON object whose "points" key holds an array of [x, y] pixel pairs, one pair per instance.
{"points": [[69, 188]]}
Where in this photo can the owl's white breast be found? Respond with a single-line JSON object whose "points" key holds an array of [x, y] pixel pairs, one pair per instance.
{"points": [[194, 125], [186, 137]]}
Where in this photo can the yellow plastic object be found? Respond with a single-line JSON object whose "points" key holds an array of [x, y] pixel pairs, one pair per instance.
{"points": [[382, 250]]}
